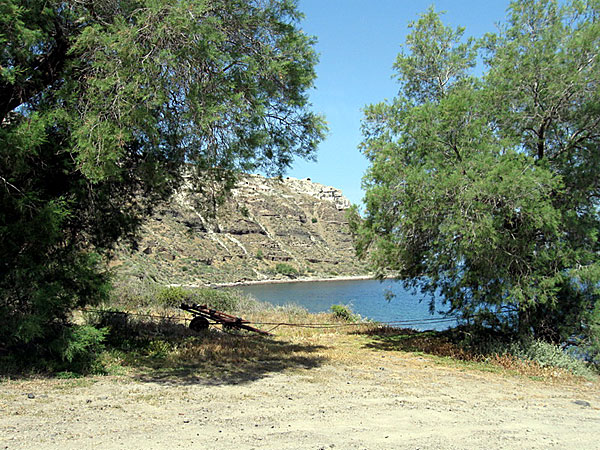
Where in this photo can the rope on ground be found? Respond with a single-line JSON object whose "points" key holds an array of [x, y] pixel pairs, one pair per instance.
{"points": [[397, 323], [154, 316]]}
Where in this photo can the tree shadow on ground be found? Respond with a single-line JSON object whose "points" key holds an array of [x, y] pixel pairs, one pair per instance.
{"points": [[430, 342], [169, 352]]}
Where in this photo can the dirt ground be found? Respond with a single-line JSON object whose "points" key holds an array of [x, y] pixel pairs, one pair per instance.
{"points": [[378, 400]]}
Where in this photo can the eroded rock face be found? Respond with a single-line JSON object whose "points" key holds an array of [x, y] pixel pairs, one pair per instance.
{"points": [[265, 221], [318, 191]]}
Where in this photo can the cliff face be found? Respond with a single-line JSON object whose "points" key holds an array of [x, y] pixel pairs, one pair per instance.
{"points": [[266, 229]]}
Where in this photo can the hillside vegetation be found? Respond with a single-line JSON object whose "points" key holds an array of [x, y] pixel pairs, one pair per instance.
{"points": [[267, 228]]}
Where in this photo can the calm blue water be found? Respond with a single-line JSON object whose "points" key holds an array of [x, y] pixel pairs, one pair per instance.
{"points": [[366, 297]]}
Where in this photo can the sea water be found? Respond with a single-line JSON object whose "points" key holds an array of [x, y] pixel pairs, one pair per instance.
{"points": [[382, 301]]}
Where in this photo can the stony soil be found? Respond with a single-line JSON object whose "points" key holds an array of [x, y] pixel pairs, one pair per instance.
{"points": [[382, 400]]}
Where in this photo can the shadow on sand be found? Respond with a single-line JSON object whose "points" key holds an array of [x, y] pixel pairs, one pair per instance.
{"points": [[438, 343], [169, 352]]}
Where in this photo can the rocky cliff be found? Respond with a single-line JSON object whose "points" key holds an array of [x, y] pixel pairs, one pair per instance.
{"points": [[268, 228]]}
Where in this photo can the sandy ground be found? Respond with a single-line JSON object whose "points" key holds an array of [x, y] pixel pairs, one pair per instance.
{"points": [[385, 401]]}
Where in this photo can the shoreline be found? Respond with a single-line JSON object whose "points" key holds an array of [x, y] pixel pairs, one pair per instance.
{"points": [[292, 280], [277, 281]]}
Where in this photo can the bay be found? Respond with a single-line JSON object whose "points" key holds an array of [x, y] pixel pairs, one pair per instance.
{"points": [[365, 297]]}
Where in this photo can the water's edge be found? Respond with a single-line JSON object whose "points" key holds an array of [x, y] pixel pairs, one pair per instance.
{"points": [[280, 281], [368, 297]]}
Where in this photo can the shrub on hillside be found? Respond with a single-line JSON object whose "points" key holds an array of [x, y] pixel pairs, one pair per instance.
{"points": [[286, 269]]}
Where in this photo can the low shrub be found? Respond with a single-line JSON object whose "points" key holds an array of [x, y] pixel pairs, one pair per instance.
{"points": [[228, 300], [173, 296], [286, 269], [74, 349], [221, 299], [499, 345], [344, 313], [550, 355], [131, 292]]}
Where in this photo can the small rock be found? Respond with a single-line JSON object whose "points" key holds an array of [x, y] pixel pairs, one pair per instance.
{"points": [[30, 395], [582, 403]]}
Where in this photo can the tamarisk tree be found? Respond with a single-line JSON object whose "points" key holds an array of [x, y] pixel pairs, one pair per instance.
{"points": [[102, 104], [483, 192]]}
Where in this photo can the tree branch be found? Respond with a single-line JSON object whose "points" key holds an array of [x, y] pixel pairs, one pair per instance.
{"points": [[45, 70]]}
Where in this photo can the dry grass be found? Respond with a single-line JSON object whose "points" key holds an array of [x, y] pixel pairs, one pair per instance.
{"points": [[441, 346], [530, 369], [148, 348]]}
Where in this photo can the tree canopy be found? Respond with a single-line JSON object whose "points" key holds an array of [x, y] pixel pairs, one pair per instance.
{"points": [[102, 106], [483, 191]]}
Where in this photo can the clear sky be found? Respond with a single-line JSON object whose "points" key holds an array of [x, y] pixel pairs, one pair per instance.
{"points": [[358, 41]]}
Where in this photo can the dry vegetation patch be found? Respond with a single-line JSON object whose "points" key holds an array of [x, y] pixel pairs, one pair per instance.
{"points": [[149, 348]]}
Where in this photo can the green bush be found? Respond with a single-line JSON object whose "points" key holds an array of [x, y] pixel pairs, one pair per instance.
{"points": [[550, 355], [132, 292], [135, 294], [173, 296], [73, 350], [345, 313], [221, 299], [35, 306], [286, 269], [314, 220], [481, 341], [79, 342], [590, 341]]}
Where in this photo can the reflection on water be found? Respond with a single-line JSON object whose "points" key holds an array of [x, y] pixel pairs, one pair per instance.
{"points": [[366, 297]]}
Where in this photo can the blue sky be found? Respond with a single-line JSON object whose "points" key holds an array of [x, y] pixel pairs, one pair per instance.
{"points": [[358, 42]]}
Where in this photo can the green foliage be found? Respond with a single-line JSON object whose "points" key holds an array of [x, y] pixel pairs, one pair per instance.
{"points": [[173, 296], [543, 353], [259, 254], [588, 342], [221, 299], [485, 189], [71, 351], [133, 336], [78, 341], [286, 269], [344, 313], [131, 292], [100, 118], [314, 220], [550, 355]]}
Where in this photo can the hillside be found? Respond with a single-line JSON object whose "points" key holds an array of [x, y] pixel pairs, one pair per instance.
{"points": [[265, 228]]}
